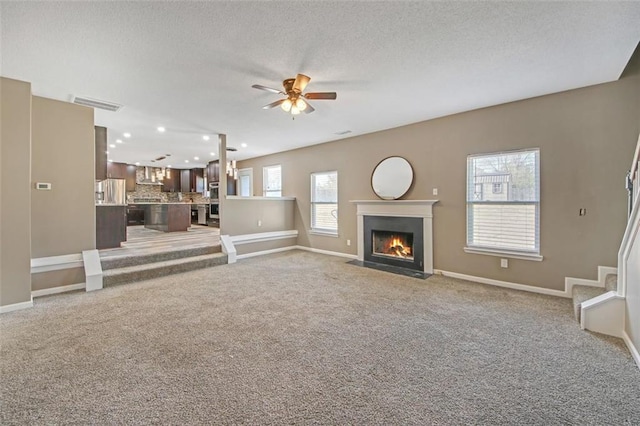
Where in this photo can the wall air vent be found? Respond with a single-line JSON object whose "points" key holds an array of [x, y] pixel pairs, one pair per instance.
{"points": [[95, 103]]}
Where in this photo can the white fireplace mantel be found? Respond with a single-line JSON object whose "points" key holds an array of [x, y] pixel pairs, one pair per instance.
{"points": [[399, 208]]}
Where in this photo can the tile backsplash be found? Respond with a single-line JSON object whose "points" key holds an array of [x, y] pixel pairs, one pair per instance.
{"points": [[155, 191]]}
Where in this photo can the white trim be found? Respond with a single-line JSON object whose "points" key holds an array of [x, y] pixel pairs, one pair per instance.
{"points": [[603, 271], [56, 263], [56, 290], [634, 351], [265, 252], [16, 306], [257, 198], [327, 252], [505, 284], [503, 253], [92, 270], [628, 240], [263, 236], [323, 233], [228, 248], [603, 314]]}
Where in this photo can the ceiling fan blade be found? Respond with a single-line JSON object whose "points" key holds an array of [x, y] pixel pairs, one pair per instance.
{"points": [[309, 109], [321, 95], [274, 104], [268, 89], [300, 83]]}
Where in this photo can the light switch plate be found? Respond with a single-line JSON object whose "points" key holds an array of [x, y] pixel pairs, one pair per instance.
{"points": [[504, 263]]}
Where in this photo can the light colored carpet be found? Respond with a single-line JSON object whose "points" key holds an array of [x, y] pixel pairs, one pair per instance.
{"points": [[302, 338]]}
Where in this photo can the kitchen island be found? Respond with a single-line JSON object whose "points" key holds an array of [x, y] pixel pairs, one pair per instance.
{"points": [[167, 217]]}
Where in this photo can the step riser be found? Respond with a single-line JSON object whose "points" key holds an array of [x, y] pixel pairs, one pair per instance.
{"points": [[116, 263], [161, 271]]}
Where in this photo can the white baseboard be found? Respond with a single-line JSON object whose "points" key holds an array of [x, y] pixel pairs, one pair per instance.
{"points": [[56, 290], [16, 306], [56, 263], [505, 284], [265, 252], [330, 253], [634, 351], [263, 236]]}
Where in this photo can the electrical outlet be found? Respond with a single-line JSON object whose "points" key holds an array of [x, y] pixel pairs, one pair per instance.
{"points": [[504, 263], [348, 242], [435, 191], [259, 223]]}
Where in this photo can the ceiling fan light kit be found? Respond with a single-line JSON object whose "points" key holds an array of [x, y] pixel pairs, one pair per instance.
{"points": [[295, 101]]}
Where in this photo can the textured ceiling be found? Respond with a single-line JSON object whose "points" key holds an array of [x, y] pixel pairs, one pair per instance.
{"points": [[189, 66]]}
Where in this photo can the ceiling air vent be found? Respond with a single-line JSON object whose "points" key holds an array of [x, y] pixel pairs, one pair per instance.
{"points": [[95, 103], [232, 149]]}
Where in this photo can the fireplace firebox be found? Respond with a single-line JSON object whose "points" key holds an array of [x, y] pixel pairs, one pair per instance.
{"points": [[396, 241]]}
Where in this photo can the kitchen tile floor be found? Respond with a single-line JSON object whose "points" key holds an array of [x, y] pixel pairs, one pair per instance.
{"points": [[141, 240]]}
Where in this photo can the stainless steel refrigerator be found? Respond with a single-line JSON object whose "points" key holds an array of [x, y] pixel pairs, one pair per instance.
{"points": [[111, 191]]}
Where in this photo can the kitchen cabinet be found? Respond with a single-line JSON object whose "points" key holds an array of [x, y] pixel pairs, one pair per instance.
{"points": [[131, 177], [101, 152], [172, 181], [192, 180], [197, 180], [117, 170], [185, 180], [213, 171], [111, 226]]}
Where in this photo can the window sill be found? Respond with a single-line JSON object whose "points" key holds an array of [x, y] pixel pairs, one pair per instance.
{"points": [[323, 233], [504, 253]]}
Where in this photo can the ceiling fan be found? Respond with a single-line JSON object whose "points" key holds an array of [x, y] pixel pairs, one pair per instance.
{"points": [[295, 101]]}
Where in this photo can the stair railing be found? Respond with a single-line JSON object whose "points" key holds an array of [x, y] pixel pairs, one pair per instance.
{"points": [[630, 238]]}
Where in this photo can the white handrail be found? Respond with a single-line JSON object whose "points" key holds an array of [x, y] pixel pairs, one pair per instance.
{"points": [[629, 239]]}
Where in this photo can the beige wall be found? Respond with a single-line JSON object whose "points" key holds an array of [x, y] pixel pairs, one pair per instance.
{"points": [[244, 214], [15, 204], [63, 219], [585, 136], [51, 279]]}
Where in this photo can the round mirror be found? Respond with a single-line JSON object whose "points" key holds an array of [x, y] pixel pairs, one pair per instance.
{"points": [[392, 178]]}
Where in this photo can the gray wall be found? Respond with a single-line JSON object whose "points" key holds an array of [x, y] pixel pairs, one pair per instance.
{"points": [[586, 138], [63, 140], [15, 204]]}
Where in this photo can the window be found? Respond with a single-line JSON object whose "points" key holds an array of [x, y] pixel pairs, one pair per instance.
{"points": [[503, 203], [272, 181], [324, 202], [245, 182]]}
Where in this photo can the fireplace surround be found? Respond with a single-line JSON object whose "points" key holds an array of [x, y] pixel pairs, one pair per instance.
{"points": [[387, 210]]}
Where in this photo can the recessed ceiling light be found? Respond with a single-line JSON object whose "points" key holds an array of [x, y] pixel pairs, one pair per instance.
{"points": [[106, 152], [196, 158], [213, 154], [118, 140], [205, 137], [169, 166], [137, 163], [126, 135], [112, 145], [186, 161], [244, 145], [161, 129], [111, 161]]}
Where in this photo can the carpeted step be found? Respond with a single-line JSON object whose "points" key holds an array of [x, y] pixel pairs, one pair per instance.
{"points": [[147, 271], [611, 282], [123, 261], [582, 293]]}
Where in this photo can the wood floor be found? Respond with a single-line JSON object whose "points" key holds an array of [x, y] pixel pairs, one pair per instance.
{"points": [[141, 240]]}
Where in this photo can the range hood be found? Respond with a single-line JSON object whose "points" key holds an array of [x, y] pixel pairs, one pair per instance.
{"points": [[149, 177]]}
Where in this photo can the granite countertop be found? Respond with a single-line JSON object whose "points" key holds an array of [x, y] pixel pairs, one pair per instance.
{"points": [[109, 205], [170, 202]]}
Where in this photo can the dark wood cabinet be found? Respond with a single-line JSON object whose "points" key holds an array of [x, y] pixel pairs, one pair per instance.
{"points": [[185, 180], [117, 170], [172, 181], [131, 177], [101, 152], [213, 171], [197, 180], [111, 226]]}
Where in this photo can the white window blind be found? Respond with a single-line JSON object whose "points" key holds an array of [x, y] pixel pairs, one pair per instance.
{"points": [[324, 202], [272, 181], [507, 219]]}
